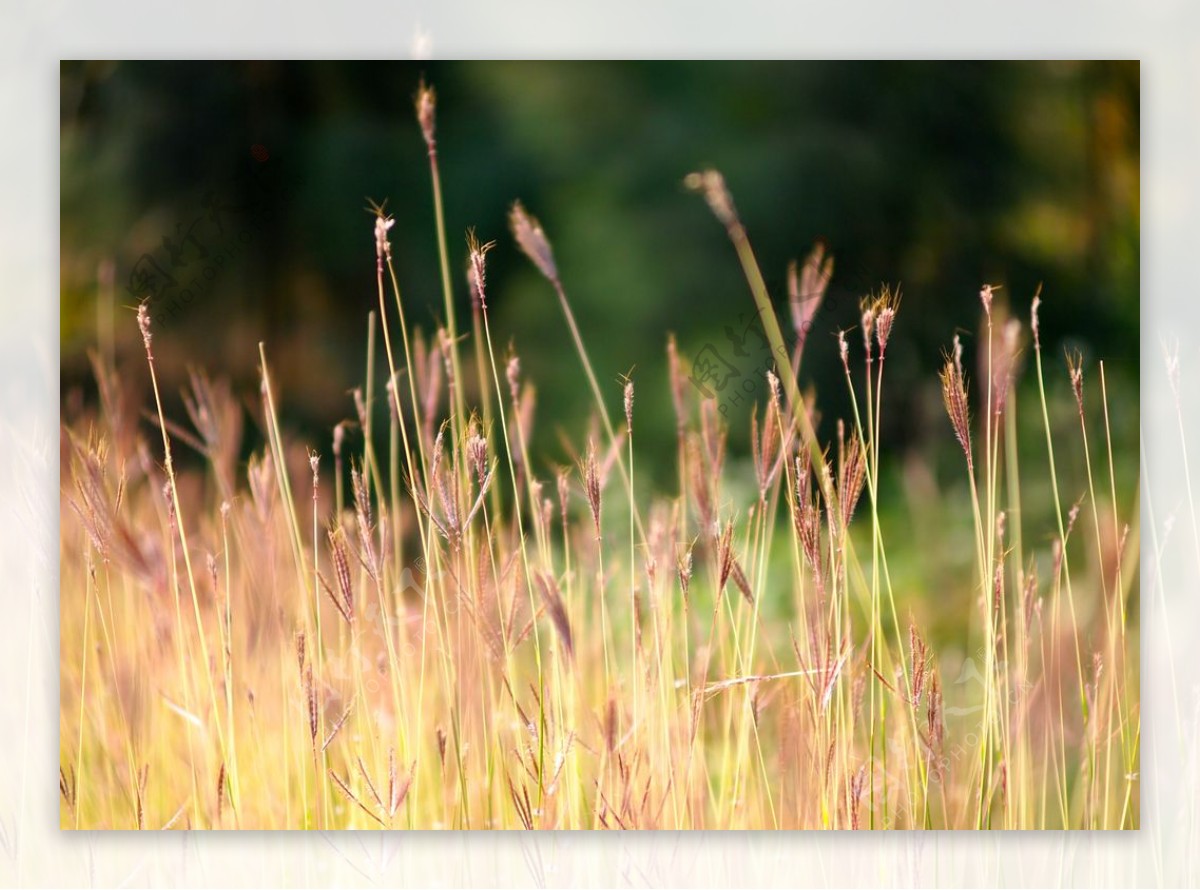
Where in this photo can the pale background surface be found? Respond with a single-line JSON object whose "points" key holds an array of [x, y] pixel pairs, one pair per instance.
{"points": [[34, 36]]}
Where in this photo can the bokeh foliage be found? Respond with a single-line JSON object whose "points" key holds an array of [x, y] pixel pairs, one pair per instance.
{"points": [[933, 177]]}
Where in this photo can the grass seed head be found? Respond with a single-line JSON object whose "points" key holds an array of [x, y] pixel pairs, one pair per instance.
{"points": [[1075, 369], [954, 394], [477, 455], [885, 317], [533, 241], [143, 317], [711, 184], [591, 485], [1033, 319], [868, 308], [806, 289], [383, 247], [476, 253], [986, 294], [426, 104]]}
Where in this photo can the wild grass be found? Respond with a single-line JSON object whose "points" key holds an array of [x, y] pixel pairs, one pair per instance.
{"points": [[426, 626]]}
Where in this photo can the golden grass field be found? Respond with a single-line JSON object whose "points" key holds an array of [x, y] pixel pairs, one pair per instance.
{"points": [[423, 625]]}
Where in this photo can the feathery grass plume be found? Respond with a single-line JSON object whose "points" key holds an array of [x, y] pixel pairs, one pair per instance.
{"points": [[1075, 369], [935, 726], [919, 655], [806, 290], [807, 519], [476, 253], [439, 482], [339, 556], [98, 507], [986, 294], [740, 581], [557, 611], [954, 394], [383, 246], [724, 556], [684, 570], [477, 454], [591, 485], [867, 307], [1033, 318], [852, 475], [711, 184], [527, 232], [426, 105], [885, 316], [365, 525], [775, 389], [310, 696], [629, 405], [143, 320]]}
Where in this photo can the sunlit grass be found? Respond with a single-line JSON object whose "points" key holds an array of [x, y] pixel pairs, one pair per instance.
{"points": [[427, 626]]}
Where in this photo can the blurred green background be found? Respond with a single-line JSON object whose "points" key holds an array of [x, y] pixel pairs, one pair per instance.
{"points": [[933, 177]]}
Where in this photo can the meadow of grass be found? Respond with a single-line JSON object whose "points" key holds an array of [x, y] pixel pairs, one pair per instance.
{"points": [[422, 625]]}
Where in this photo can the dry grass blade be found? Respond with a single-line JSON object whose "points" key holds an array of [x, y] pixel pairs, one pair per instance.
{"points": [[350, 796], [338, 724], [722, 685]]}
